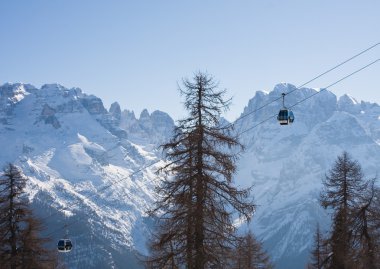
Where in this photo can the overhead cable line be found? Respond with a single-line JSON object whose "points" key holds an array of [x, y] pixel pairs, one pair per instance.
{"points": [[245, 115], [307, 82], [251, 112], [267, 119], [102, 189], [98, 192], [323, 89], [95, 194]]}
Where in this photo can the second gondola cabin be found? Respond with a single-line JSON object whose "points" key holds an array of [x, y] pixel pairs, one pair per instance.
{"points": [[285, 116], [64, 245]]}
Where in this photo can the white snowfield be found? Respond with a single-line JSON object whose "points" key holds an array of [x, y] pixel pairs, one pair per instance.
{"points": [[86, 163]]}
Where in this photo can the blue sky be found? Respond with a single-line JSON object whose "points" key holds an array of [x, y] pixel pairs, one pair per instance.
{"points": [[135, 52]]}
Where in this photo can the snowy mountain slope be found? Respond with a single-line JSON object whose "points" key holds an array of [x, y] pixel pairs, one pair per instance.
{"points": [[286, 163], [71, 147]]}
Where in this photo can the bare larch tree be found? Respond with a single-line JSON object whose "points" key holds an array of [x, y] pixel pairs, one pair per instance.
{"points": [[320, 251], [20, 243], [197, 198], [344, 192], [366, 228], [250, 254]]}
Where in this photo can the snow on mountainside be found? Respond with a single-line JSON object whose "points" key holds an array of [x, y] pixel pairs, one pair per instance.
{"points": [[71, 147], [285, 164]]}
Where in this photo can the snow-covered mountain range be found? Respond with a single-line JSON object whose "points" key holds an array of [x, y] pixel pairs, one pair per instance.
{"points": [[286, 164], [93, 169]]}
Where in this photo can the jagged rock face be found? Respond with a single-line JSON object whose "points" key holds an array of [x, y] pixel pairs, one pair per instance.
{"points": [[155, 128], [94, 105], [367, 113], [162, 123], [128, 119], [115, 111], [348, 104], [10, 94], [48, 115]]}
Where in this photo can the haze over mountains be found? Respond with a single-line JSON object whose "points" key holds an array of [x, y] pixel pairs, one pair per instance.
{"points": [[86, 166]]}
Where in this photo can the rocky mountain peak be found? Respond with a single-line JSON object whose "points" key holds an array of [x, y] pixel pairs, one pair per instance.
{"points": [[144, 115], [115, 110]]}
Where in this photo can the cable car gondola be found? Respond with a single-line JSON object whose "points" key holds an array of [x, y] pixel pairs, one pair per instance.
{"points": [[64, 245], [285, 116]]}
